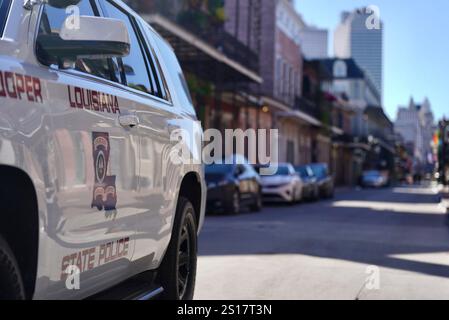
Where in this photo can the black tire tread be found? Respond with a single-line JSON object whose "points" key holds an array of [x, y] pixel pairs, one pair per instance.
{"points": [[257, 206], [11, 285], [167, 274]]}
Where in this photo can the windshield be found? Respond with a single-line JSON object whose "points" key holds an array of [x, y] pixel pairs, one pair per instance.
{"points": [[320, 171], [4, 7], [303, 172], [372, 174], [283, 171], [219, 169]]}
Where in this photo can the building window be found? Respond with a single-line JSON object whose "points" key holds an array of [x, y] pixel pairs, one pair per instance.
{"points": [[298, 84], [290, 84], [291, 152], [286, 84], [340, 69], [278, 85]]}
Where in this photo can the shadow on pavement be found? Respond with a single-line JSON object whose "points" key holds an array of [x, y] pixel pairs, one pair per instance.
{"points": [[372, 228]]}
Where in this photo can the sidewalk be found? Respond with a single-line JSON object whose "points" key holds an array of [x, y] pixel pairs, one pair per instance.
{"points": [[444, 197]]}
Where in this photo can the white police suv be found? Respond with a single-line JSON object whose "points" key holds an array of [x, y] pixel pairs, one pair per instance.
{"points": [[91, 206]]}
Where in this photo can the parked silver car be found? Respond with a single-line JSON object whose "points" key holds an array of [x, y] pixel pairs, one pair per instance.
{"points": [[285, 185], [374, 179]]}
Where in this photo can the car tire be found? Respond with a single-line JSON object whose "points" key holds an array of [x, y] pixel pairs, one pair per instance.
{"points": [[233, 206], [11, 283], [258, 203], [177, 273]]}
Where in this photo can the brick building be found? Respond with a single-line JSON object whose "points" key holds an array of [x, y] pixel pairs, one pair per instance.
{"points": [[272, 28]]}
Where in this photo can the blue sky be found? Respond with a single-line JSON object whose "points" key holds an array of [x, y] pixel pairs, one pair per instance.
{"points": [[416, 46]]}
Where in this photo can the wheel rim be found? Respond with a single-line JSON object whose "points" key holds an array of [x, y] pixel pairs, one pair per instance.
{"points": [[184, 258]]}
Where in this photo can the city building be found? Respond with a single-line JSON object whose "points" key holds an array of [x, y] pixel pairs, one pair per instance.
{"points": [[403, 160], [349, 105], [273, 30], [347, 79], [441, 145], [359, 38], [381, 139], [219, 68], [314, 42], [416, 124]]}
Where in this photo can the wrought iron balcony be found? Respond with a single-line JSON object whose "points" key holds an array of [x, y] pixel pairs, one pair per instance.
{"points": [[204, 19], [307, 106]]}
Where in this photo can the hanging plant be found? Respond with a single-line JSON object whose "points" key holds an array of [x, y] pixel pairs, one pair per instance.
{"points": [[198, 86]]}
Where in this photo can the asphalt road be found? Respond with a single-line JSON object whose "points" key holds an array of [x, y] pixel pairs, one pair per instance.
{"points": [[370, 244]]}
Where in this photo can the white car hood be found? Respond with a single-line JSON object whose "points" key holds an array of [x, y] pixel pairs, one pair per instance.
{"points": [[275, 180]]}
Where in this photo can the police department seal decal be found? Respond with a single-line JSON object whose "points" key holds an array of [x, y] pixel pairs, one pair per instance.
{"points": [[104, 191]]}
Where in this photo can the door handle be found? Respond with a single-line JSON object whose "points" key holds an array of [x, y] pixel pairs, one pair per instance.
{"points": [[128, 121]]}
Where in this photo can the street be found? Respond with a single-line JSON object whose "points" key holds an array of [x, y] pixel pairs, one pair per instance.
{"points": [[330, 249]]}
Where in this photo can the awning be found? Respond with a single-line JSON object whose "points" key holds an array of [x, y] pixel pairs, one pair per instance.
{"points": [[286, 112], [337, 131], [198, 56]]}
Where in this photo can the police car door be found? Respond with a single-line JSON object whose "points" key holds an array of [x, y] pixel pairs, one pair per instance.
{"points": [[155, 111], [93, 171]]}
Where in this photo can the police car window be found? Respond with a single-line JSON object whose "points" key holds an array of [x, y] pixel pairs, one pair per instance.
{"points": [[4, 8], [176, 75], [134, 65], [163, 91], [51, 21]]}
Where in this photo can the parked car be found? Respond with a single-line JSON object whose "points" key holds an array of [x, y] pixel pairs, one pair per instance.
{"points": [[324, 179], [311, 190], [89, 194], [285, 185], [374, 179], [233, 186]]}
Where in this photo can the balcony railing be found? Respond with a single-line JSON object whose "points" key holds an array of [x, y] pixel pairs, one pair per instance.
{"points": [[307, 106], [205, 19]]}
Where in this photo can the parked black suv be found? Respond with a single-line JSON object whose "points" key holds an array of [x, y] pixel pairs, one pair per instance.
{"points": [[324, 179], [232, 186], [311, 190]]}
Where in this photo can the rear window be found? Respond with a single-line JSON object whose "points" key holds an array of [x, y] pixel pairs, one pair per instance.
{"points": [[4, 8]]}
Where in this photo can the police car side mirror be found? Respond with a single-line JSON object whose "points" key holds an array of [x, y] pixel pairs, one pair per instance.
{"points": [[89, 37]]}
